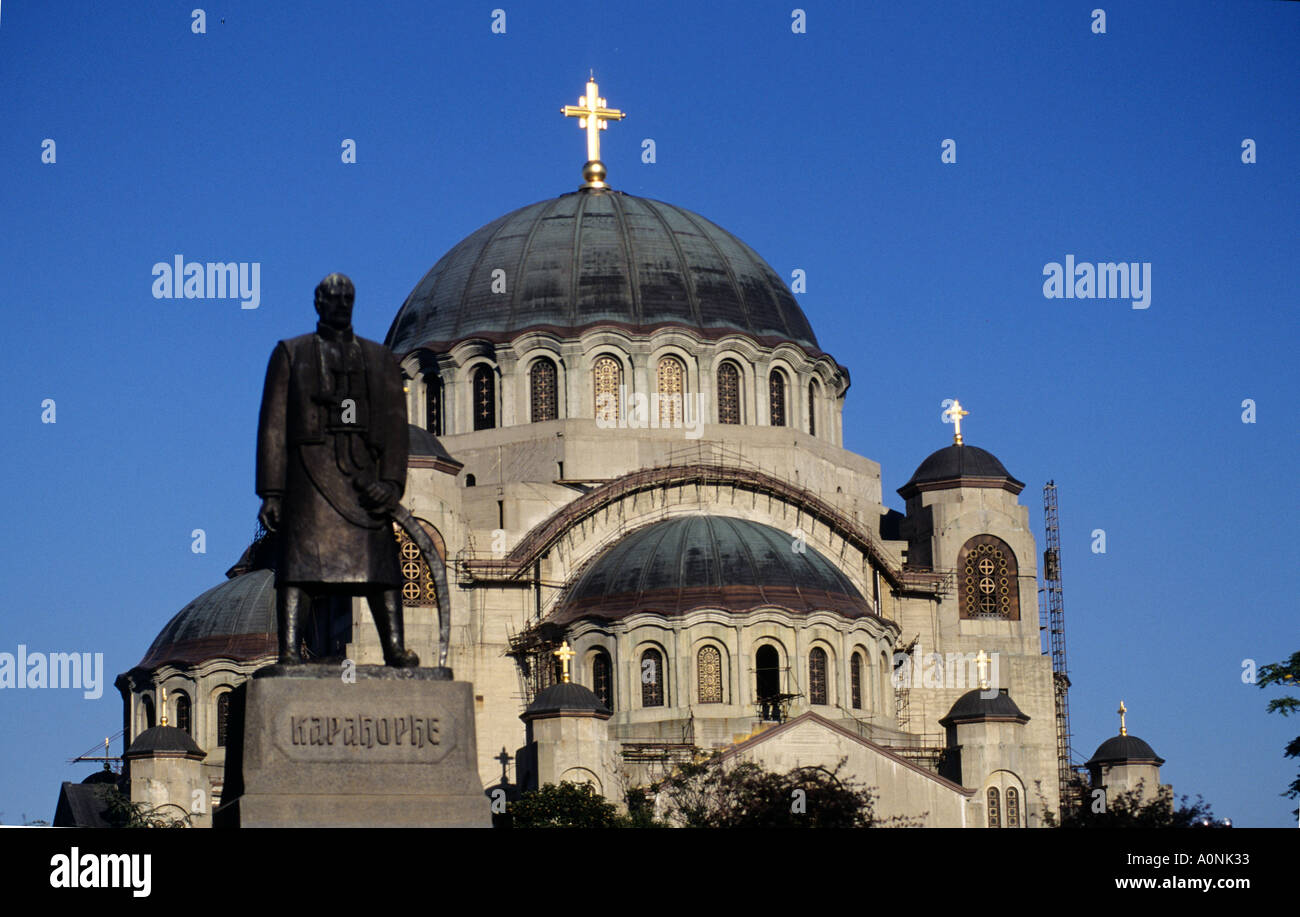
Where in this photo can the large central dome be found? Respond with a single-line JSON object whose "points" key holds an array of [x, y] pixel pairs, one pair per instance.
{"points": [[598, 257]]}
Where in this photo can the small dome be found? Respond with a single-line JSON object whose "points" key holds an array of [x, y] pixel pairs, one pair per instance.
{"points": [[424, 445], [598, 257], [1125, 749], [960, 466], [566, 697], [164, 740], [972, 707], [102, 776], [235, 620], [678, 565]]}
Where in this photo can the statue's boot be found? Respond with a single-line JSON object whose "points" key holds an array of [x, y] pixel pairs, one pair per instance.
{"points": [[390, 623], [288, 609]]}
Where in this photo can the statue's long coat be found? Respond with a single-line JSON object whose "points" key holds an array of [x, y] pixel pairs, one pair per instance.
{"points": [[333, 413]]}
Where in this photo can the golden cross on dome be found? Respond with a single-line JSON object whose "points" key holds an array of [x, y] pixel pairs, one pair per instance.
{"points": [[1123, 729], [564, 654], [982, 669], [593, 117], [956, 413]]}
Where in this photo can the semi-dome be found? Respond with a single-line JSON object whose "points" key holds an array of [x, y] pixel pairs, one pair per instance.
{"points": [[235, 620], [960, 466], [598, 257], [1125, 749], [694, 562]]}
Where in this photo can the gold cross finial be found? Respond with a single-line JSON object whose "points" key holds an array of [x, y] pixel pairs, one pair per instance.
{"points": [[564, 654], [955, 414], [982, 669], [1123, 729], [163, 705], [593, 117]]}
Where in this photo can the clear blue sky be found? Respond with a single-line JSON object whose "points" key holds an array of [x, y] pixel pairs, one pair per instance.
{"points": [[820, 150]]}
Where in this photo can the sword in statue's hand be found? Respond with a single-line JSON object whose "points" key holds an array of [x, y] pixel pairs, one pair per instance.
{"points": [[437, 568]]}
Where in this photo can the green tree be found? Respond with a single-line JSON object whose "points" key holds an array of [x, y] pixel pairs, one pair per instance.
{"points": [[121, 812], [568, 805], [713, 793], [1129, 810], [1285, 675]]}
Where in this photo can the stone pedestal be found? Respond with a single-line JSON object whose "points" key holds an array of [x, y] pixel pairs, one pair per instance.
{"points": [[312, 748]]}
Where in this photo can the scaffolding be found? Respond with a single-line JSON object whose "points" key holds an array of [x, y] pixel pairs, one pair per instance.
{"points": [[1052, 619]]}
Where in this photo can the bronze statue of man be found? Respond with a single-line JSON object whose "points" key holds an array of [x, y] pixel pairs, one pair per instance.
{"points": [[332, 444]]}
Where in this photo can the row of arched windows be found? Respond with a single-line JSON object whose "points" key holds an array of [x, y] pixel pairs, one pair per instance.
{"points": [[995, 808], [183, 714], [607, 391], [710, 681]]}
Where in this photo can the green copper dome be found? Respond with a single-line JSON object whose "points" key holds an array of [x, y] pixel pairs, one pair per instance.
{"points": [[598, 257]]}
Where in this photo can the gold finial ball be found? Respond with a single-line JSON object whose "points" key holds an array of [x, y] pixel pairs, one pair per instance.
{"points": [[593, 171]]}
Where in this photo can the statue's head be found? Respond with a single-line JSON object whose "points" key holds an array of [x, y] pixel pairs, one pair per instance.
{"points": [[334, 297]]}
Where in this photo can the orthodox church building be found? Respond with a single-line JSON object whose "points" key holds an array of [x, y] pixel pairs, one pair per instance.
{"points": [[627, 444]]}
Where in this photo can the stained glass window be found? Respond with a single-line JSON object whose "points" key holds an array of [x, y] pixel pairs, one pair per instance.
{"points": [[1013, 807], [812, 408], [671, 388], [223, 717], [708, 662], [544, 391], [995, 810], [433, 404], [485, 398], [989, 586], [602, 681], [855, 680], [652, 679], [417, 580], [608, 375], [817, 676], [728, 393], [776, 397], [182, 711]]}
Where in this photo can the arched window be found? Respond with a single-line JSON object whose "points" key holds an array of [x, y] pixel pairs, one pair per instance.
{"points": [[708, 665], [995, 809], [602, 678], [182, 711], [728, 393], [855, 681], [767, 686], [543, 391], [1013, 807], [817, 693], [607, 375], [989, 585], [485, 397], [671, 386], [223, 717], [470, 480], [812, 408], [776, 397], [147, 704], [652, 679], [417, 578], [433, 404]]}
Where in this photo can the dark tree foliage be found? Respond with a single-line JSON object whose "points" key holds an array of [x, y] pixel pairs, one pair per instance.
{"points": [[1285, 675], [1127, 810], [714, 794], [121, 812], [568, 805]]}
